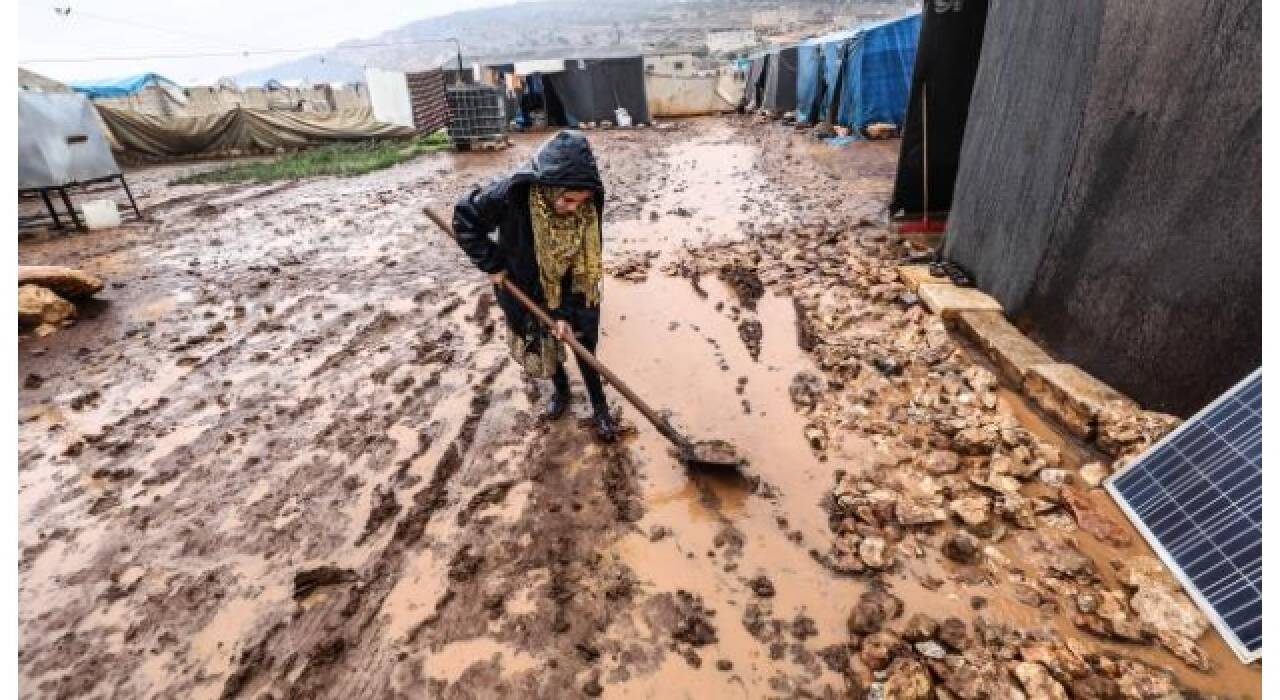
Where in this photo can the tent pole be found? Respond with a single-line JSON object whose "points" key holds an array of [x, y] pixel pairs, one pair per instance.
{"points": [[44, 194], [132, 203]]}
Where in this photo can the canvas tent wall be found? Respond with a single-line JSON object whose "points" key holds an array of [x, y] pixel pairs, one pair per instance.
{"points": [[753, 95], [1109, 188], [60, 141], [416, 100], [946, 64], [808, 80], [876, 76], [818, 76]]}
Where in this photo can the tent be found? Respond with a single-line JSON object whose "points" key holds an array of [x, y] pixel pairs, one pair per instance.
{"points": [[779, 93], [592, 89], [60, 141], [946, 65], [819, 64], [753, 94], [126, 86], [876, 76], [61, 145]]}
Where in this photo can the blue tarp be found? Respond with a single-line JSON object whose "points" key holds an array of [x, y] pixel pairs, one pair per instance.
{"points": [[808, 80], [877, 73], [121, 87]]}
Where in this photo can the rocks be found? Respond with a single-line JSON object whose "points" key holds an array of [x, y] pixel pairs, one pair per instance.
{"points": [[1037, 681], [873, 553], [39, 305], [873, 609], [1055, 477], [976, 441], [941, 462], [1124, 429], [761, 586], [1094, 473], [805, 389], [1092, 521], [961, 547], [953, 634], [816, 435], [919, 628], [633, 267], [64, 281], [878, 649], [908, 679], [1168, 612], [931, 649], [909, 512], [974, 511]]}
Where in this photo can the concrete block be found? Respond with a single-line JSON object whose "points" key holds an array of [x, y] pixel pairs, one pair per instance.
{"points": [[1012, 352], [915, 275], [1069, 394], [947, 300]]}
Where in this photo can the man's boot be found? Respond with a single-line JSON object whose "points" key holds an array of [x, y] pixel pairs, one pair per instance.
{"points": [[559, 403], [602, 419]]}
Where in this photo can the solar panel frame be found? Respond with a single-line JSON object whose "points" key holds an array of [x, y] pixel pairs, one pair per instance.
{"points": [[1187, 497]]}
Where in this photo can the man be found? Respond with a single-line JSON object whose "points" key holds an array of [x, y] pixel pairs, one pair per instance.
{"points": [[547, 214]]}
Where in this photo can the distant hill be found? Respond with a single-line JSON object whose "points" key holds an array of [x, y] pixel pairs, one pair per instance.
{"points": [[529, 27]]}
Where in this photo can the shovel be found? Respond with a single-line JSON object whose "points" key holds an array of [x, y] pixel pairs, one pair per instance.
{"points": [[707, 454]]}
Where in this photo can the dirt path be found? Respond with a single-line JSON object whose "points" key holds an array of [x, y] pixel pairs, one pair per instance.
{"points": [[288, 455]]}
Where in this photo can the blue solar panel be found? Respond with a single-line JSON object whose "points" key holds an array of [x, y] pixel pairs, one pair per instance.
{"points": [[1197, 497]]}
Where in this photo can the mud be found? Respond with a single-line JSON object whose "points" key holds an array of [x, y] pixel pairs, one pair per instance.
{"points": [[288, 456]]}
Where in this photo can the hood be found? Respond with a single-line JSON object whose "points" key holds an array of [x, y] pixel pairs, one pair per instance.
{"points": [[564, 160]]}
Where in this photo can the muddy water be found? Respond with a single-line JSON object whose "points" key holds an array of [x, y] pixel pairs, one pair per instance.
{"points": [[305, 376]]}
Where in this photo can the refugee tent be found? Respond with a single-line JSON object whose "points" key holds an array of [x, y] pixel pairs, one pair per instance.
{"points": [[779, 92], [753, 95], [578, 90], [946, 65], [819, 64], [876, 75], [241, 131], [30, 80], [60, 141]]}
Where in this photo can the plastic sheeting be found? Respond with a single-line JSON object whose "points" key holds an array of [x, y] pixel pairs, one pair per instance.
{"points": [[779, 94], [946, 63], [241, 131], [809, 84], [876, 79], [60, 141], [591, 89], [123, 87]]}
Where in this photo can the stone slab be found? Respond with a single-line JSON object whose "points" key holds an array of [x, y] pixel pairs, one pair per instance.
{"points": [[65, 281], [947, 300], [1012, 352], [915, 275], [1069, 394]]}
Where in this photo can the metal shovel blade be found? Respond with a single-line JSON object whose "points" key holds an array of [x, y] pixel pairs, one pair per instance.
{"points": [[711, 454]]}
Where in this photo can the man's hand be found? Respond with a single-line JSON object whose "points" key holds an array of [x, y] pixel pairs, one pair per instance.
{"points": [[498, 277], [561, 330]]}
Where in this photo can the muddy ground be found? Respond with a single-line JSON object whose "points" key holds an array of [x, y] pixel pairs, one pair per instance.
{"points": [[286, 456]]}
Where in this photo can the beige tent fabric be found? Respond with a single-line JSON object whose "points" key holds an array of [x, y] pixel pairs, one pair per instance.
{"points": [[240, 130]]}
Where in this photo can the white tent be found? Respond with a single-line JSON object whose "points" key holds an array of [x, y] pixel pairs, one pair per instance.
{"points": [[60, 141]]}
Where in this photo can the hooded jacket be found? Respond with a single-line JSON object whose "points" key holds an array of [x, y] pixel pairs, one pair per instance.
{"points": [[564, 160]]}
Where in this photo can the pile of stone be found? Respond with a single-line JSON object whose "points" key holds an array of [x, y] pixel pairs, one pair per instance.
{"points": [[954, 474], [44, 293]]}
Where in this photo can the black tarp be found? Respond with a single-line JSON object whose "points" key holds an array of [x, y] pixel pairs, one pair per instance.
{"points": [[1109, 188], [779, 92], [751, 96], [590, 89], [946, 62]]}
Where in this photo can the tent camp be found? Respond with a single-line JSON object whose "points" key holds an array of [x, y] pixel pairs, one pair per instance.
{"points": [[61, 145], [818, 71], [126, 86], [573, 91]]}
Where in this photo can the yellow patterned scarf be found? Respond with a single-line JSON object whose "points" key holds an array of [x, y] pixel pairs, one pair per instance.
{"points": [[563, 241]]}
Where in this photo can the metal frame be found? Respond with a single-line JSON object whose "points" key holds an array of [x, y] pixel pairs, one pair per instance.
{"points": [[62, 190], [1224, 630]]}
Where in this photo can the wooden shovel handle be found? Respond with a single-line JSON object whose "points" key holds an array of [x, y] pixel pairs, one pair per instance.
{"points": [[658, 421]]}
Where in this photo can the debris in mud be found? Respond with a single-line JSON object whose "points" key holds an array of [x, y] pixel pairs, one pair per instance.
{"points": [[761, 586], [744, 282], [305, 582], [633, 267], [694, 626], [751, 332]]}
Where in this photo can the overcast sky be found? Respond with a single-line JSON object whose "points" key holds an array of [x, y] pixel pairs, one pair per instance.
{"points": [[102, 28]]}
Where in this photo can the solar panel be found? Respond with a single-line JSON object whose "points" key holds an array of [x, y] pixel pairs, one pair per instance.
{"points": [[1197, 497]]}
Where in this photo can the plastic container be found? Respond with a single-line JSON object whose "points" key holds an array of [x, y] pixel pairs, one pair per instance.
{"points": [[100, 213], [624, 117]]}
